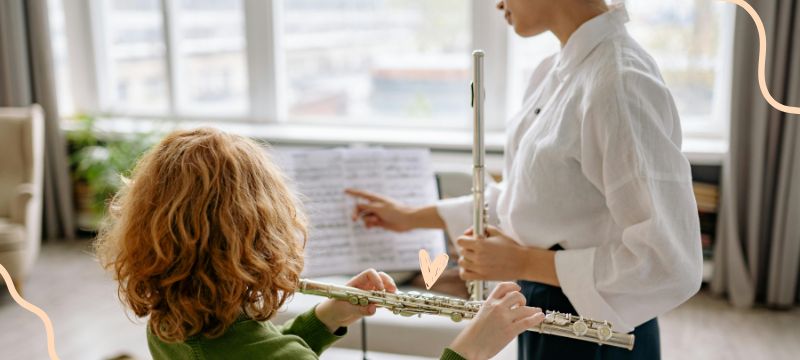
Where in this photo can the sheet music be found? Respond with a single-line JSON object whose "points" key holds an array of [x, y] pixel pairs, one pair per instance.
{"points": [[337, 245]]}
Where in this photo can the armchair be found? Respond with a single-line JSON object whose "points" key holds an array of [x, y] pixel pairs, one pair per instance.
{"points": [[21, 179]]}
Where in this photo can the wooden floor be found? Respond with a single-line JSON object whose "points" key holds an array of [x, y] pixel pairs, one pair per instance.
{"points": [[90, 324]]}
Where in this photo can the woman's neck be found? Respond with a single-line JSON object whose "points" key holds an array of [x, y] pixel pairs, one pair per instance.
{"points": [[569, 18]]}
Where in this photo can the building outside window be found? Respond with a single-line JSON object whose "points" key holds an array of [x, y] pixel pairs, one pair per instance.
{"points": [[374, 63]]}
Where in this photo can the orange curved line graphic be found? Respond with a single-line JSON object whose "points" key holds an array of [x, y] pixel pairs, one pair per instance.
{"points": [[48, 326], [762, 59]]}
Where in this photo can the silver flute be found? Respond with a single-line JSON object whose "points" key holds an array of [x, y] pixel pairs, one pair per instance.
{"points": [[478, 291], [414, 303]]}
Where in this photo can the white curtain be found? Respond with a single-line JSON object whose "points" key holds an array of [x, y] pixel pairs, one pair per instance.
{"points": [[26, 77], [757, 258]]}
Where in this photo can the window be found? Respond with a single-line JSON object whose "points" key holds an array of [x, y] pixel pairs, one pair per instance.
{"points": [[692, 58], [58, 41], [210, 65], [183, 57], [132, 57], [389, 63], [377, 61]]}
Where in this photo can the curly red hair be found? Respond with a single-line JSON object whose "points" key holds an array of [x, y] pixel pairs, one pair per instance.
{"points": [[205, 230]]}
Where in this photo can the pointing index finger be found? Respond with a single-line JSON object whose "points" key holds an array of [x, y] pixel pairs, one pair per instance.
{"points": [[363, 194]]}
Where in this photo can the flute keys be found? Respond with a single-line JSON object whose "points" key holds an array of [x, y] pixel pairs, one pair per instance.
{"points": [[604, 333], [404, 313], [415, 304], [550, 318], [580, 328], [356, 300], [559, 319]]}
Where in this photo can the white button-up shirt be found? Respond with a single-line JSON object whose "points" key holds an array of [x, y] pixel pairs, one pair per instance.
{"points": [[593, 163]]}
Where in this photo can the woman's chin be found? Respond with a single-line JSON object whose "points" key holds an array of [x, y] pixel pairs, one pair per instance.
{"points": [[523, 32], [527, 32]]}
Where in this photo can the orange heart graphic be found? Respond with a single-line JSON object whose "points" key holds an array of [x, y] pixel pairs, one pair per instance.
{"points": [[431, 270]]}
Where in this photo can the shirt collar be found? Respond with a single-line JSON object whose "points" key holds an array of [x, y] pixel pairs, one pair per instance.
{"points": [[588, 36]]}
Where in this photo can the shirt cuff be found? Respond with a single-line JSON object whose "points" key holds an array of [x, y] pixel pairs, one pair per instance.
{"points": [[457, 215], [575, 272], [311, 329], [449, 354]]}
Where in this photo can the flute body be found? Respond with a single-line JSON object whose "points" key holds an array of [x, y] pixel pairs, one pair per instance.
{"points": [[415, 303], [478, 291]]}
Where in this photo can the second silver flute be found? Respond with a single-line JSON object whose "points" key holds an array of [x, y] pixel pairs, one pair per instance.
{"points": [[414, 303], [478, 291]]}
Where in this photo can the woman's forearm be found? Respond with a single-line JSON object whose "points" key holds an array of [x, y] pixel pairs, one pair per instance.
{"points": [[426, 217], [540, 266]]}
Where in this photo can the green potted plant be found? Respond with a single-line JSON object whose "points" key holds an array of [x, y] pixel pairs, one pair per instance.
{"points": [[98, 163]]}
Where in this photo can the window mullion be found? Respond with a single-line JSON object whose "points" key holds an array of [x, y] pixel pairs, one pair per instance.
{"points": [[721, 101], [489, 33], [263, 31], [81, 22], [171, 55]]}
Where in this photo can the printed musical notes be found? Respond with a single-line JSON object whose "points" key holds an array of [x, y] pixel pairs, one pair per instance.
{"points": [[336, 245]]}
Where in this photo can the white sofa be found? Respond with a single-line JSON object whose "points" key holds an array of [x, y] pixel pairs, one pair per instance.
{"points": [[21, 167], [388, 334]]}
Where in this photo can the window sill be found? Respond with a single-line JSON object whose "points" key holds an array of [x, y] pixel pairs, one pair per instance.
{"points": [[451, 148], [323, 135], [705, 151]]}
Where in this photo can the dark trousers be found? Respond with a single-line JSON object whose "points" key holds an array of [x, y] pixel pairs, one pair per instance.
{"points": [[533, 345]]}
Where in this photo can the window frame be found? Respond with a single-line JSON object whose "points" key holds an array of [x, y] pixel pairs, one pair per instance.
{"points": [[716, 126], [265, 68]]}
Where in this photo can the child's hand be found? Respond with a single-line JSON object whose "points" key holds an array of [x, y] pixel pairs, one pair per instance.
{"points": [[501, 318], [335, 314]]}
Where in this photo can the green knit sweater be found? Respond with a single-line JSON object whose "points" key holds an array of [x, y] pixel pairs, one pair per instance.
{"points": [[304, 338]]}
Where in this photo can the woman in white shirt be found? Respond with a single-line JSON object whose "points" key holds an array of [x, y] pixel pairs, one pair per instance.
{"points": [[596, 214]]}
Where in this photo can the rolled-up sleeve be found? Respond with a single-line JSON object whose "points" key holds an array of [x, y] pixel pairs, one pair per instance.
{"points": [[652, 268], [631, 153], [457, 212]]}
